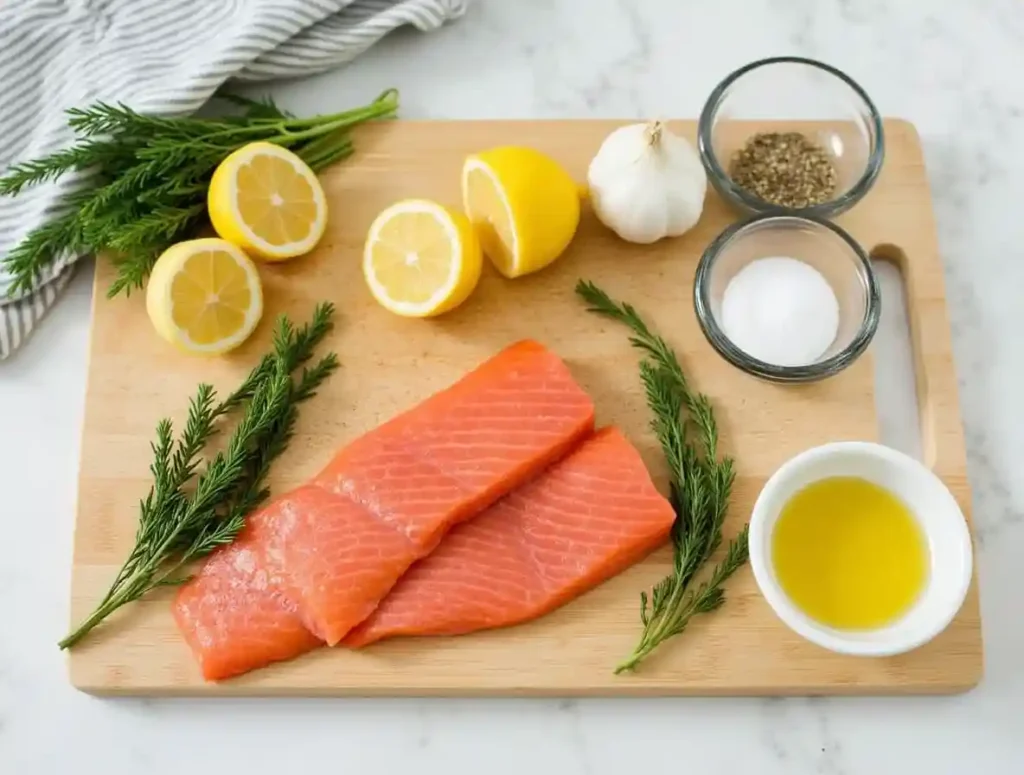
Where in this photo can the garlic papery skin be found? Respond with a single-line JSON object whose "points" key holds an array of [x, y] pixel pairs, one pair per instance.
{"points": [[647, 183]]}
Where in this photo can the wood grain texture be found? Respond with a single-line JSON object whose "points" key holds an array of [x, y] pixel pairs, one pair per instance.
{"points": [[390, 363]]}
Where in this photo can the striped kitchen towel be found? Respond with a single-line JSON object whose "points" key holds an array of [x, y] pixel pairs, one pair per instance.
{"points": [[163, 57]]}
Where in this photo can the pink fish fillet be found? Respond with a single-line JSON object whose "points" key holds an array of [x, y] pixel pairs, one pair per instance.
{"points": [[586, 519], [317, 561]]}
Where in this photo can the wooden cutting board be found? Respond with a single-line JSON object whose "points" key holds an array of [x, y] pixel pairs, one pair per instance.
{"points": [[391, 363]]}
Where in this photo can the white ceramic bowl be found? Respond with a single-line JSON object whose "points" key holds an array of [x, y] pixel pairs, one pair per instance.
{"points": [[937, 512]]}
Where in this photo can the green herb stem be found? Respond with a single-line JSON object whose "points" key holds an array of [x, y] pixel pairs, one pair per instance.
{"points": [[149, 176], [685, 604], [188, 514], [700, 484]]}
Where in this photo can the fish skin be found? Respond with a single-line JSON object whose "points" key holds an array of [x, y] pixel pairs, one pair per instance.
{"points": [[391, 495], [586, 519]]}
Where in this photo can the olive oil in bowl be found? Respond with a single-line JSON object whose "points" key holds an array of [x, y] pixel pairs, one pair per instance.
{"points": [[860, 549], [849, 553]]}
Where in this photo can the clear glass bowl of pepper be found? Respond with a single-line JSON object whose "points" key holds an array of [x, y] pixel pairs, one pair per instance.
{"points": [[791, 135]]}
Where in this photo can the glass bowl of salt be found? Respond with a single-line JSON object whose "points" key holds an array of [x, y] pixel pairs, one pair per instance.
{"points": [[787, 298]]}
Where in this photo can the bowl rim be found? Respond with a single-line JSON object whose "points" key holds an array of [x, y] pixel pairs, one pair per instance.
{"points": [[770, 371], [723, 182], [820, 634]]}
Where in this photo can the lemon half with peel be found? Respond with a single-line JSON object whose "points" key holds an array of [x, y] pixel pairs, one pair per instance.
{"points": [[268, 201], [204, 296], [421, 259], [524, 206]]}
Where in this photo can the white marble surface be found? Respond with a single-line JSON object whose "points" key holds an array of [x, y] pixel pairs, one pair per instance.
{"points": [[952, 68]]}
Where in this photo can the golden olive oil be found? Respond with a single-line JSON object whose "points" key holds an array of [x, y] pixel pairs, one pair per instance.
{"points": [[849, 553]]}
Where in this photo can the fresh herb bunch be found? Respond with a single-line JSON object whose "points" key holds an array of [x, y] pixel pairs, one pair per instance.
{"points": [[700, 484], [188, 514], [149, 175]]}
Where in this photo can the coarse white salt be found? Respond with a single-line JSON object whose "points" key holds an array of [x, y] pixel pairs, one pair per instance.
{"points": [[781, 311]]}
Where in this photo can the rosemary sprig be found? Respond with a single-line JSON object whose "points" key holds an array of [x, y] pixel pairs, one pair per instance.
{"points": [[700, 484], [188, 514], [148, 177]]}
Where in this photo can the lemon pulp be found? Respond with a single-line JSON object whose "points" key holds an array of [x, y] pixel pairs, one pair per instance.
{"points": [[268, 201], [494, 222], [277, 203], [421, 258], [849, 553], [524, 206], [204, 296], [415, 245], [210, 296]]}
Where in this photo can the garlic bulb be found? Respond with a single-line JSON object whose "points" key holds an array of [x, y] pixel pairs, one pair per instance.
{"points": [[647, 183]]}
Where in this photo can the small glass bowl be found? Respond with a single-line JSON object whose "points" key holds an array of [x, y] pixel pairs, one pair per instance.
{"points": [[819, 243], [784, 94]]}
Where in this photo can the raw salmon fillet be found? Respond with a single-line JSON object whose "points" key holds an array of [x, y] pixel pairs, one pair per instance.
{"points": [[586, 519], [323, 556], [233, 613]]}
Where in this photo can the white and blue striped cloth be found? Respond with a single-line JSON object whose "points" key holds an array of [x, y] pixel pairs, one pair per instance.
{"points": [[163, 57]]}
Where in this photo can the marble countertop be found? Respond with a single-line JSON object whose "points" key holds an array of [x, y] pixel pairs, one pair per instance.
{"points": [[952, 68]]}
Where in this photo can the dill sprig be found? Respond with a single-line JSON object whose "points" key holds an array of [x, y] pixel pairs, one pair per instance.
{"points": [[700, 484], [187, 513], [147, 178]]}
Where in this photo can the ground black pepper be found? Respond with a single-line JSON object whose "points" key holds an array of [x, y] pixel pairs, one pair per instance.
{"points": [[785, 169]]}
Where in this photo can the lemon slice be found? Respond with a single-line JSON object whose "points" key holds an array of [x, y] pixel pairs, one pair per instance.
{"points": [[524, 206], [268, 201], [421, 258], [204, 296]]}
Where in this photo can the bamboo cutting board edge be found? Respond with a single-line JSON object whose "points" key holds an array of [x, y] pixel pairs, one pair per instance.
{"points": [[740, 650]]}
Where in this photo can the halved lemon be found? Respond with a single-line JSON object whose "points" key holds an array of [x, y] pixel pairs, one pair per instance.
{"points": [[421, 258], [268, 201], [204, 296], [524, 206]]}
